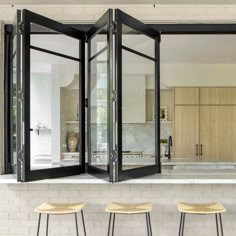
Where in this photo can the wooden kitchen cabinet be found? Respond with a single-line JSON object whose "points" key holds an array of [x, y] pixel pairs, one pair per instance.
{"points": [[218, 133], [186, 134], [218, 96], [186, 96]]}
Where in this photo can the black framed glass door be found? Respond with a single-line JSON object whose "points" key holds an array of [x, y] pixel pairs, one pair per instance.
{"points": [[14, 114], [100, 102], [53, 99], [138, 95]]}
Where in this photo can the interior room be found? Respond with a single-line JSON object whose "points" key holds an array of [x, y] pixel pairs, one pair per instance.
{"points": [[197, 83]]}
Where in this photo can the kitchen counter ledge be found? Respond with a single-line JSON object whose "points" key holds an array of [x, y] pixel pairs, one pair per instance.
{"points": [[174, 178]]}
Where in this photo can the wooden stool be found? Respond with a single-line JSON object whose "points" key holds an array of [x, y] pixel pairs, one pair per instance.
{"points": [[129, 209], [60, 209], [201, 209]]}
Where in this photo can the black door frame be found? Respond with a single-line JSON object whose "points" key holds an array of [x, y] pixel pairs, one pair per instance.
{"points": [[28, 18], [217, 29], [123, 18], [105, 20]]}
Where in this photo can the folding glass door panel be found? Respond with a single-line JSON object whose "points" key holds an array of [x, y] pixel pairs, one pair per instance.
{"points": [[15, 141], [137, 84], [100, 85], [54, 98]]}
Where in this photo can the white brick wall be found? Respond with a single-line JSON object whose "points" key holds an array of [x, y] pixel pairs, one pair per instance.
{"points": [[17, 202], [162, 13]]}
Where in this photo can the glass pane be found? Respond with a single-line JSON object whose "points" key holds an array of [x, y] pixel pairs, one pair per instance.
{"points": [[99, 41], [138, 105], [51, 40], [13, 112], [138, 42], [54, 111], [99, 125]]}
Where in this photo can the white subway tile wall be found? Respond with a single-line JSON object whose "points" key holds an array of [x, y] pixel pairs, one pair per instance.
{"points": [[17, 203]]}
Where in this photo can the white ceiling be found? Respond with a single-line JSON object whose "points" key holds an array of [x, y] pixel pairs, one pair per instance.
{"points": [[114, 2]]}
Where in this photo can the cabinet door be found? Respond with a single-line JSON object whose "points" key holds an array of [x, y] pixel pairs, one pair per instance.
{"points": [[186, 132], [218, 133], [186, 96], [218, 96]]}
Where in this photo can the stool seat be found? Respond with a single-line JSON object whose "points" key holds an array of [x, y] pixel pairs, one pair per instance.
{"points": [[203, 209], [57, 209], [121, 208]]}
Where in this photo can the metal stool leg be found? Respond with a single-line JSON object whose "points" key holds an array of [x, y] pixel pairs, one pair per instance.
{"points": [[113, 225], [76, 224], [183, 221], [82, 215], [147, 221], [180, 224], [150, 225], [39, 224], [217, 226], [109, 224], [47, 224], [221, 225]]}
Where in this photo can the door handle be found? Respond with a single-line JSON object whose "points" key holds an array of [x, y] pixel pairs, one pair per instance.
{"points": [[201, 149], [196, 149]]}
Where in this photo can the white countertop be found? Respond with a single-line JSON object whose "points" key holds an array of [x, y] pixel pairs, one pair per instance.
{"points": [[226, 177]]}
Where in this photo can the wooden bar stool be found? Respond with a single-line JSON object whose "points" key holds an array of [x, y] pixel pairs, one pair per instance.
{"points": [[129, 209], [201, 209], [60, 209]]}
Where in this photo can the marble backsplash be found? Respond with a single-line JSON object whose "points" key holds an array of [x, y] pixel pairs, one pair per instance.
{"points": [[141, 137], [136, 137]]}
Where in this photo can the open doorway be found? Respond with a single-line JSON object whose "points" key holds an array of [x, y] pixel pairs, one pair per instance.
{"points": [[198, 102]]}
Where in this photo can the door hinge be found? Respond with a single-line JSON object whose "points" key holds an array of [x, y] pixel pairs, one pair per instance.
{"points": [[20, 96], [21, 27], [21, 156], [114, 156], [113, 26], [20, 159], [114, 95]]}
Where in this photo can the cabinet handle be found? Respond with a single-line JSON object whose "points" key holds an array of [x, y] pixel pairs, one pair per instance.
{"points": [[196, 149], [201, 149]]}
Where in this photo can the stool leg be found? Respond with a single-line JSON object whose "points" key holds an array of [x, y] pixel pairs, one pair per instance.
{"points": [[39, 224], [47, 224], [217, 226], [113, 225], [180, 224], [76, 225], [147, 221], [109, 224], [150, 225], [82, 215], [183, 221], [221, 225]]}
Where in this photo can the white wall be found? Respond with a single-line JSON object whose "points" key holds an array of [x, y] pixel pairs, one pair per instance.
{"points": [[62, 76], [40, 112], [198, 74]]}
